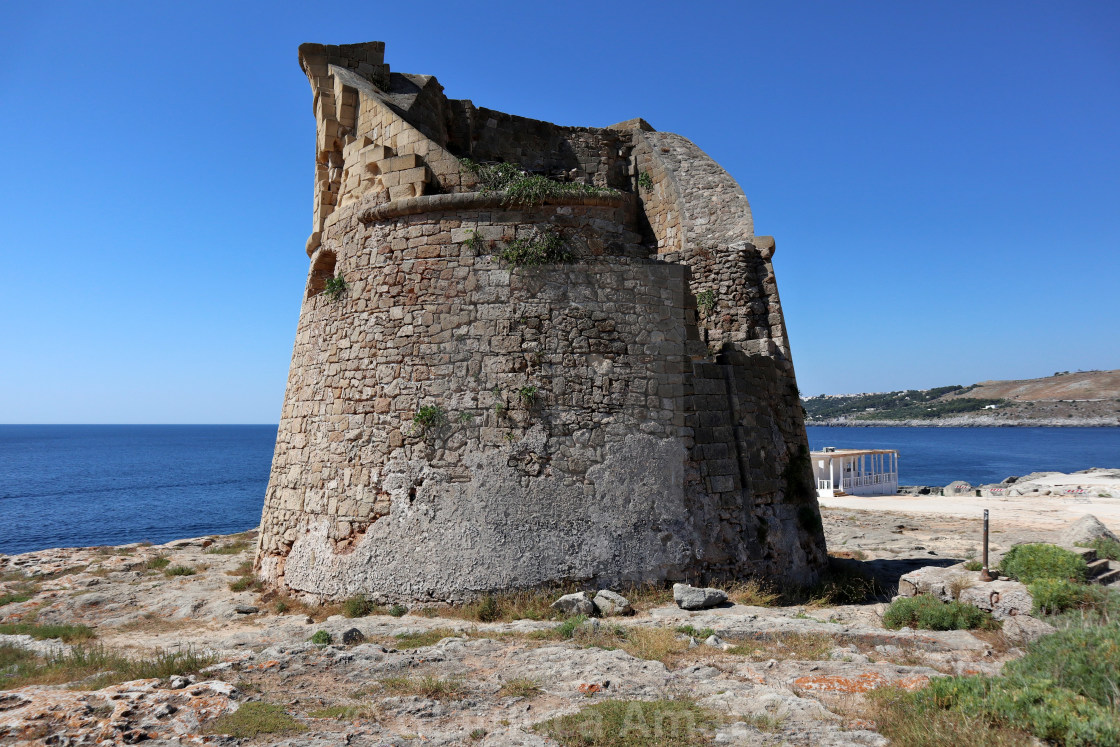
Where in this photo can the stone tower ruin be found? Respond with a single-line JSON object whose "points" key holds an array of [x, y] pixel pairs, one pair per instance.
{"points": [[528, 353]]}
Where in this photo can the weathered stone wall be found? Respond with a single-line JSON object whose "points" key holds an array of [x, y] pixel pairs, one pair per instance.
{"points": [[591, 423]]}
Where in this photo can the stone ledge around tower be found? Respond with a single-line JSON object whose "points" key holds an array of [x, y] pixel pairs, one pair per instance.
{"points": [[479, 201]]}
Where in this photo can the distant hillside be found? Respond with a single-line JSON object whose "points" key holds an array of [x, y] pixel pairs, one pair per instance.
{"points": [[1081, 398]]}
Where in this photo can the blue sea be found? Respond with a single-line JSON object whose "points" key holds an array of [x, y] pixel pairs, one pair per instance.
{"points": [[80, 485], [937, 456]]}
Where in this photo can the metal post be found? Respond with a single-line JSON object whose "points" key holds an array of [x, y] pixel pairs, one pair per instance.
{"points": [[984, 575]]}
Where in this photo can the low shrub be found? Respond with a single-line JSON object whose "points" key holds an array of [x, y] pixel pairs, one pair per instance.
{"points": [[179, 570], [321, 638], [398, 610], [158, 563], [246, 583], [568, 628], [1054, 595], [252, 719], [13, 598], [697, 633], [1027, 563], [1063, 690], [422, 638], [359, 606], [974, 565], [1083, 660], [1105, 547], [929, 613]]}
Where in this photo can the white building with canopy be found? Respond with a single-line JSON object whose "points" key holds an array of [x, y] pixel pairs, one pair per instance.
{"points": [[855, 471]]}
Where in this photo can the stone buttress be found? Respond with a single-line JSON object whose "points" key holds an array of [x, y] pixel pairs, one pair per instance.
{"points": [[454, 424]]}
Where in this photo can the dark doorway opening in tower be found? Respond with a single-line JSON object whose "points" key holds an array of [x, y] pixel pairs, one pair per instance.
{"points": [[322, 270]]}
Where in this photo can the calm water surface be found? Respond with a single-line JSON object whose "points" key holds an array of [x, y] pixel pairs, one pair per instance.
{"points": [[937, 456], [67, 485], [78, 485]]}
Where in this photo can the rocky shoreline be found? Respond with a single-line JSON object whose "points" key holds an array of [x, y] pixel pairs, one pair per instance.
{"points": [[792, 673]]}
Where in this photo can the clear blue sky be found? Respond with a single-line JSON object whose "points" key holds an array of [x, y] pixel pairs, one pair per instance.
{"points": [[942, 179]]}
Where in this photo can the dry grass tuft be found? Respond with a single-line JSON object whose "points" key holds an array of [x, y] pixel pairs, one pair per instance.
{"points": [[426, 686], [252, 719], [347, 712], [94, 666], [753, 593], [422, 638], [796, 646], [520, 687]]}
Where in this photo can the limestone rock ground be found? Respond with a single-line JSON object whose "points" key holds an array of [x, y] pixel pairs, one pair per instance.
{"points": [[780, 675]]}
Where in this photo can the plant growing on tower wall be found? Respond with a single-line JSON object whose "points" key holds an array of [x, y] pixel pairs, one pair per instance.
{"points": [[645, 181], [428, 418], [336, 287], [705, 302]]}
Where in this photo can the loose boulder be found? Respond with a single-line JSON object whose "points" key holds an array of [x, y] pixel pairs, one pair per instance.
{"points": [[693, 598], [610, 604], [1086, 529], [1024, 629], [1004, 599], [958, 487], [353, 637], [575, 604]]}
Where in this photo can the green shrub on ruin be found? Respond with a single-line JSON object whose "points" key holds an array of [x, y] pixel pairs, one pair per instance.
{"points": [[522, 188], [429, 418], [929, 613], [336, 287], [547, 248], [705, 302], [398, 610], [645, 181], [1029, 563], [474, 242]]}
